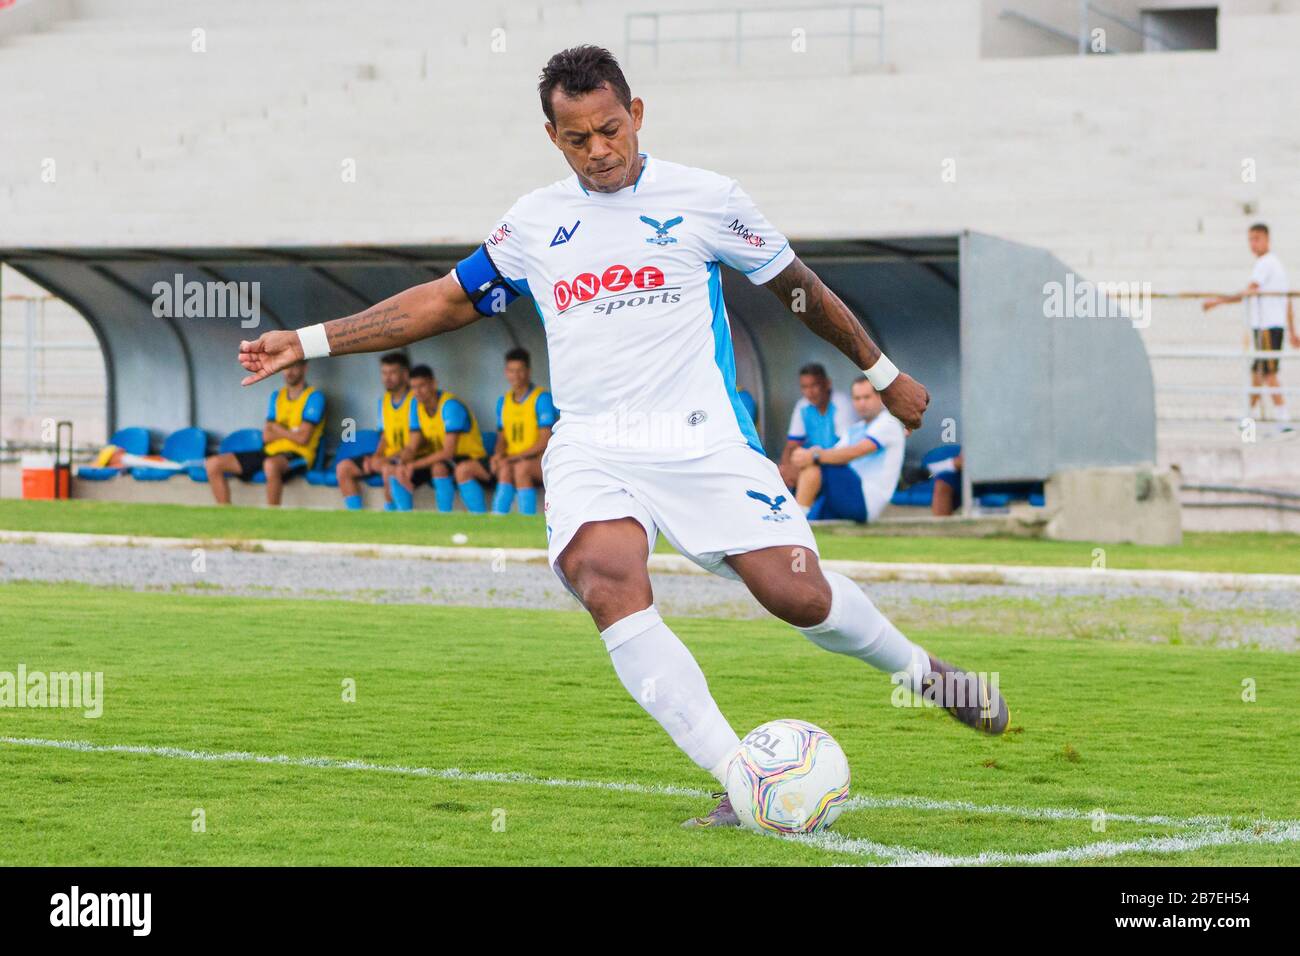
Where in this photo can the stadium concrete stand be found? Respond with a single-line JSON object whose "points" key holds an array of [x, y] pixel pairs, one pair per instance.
{"points": [[240, 124]]}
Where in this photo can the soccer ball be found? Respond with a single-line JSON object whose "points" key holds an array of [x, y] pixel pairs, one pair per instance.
{"points": [[789, 776]]}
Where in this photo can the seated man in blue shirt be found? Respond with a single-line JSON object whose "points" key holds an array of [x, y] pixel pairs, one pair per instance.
{"points": [[856, 478], [821, 417]]}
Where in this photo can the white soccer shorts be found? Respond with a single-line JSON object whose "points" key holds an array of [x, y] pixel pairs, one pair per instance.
{"points": [[726, 502]]}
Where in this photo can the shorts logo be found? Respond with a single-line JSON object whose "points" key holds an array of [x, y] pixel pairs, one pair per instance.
{"points": [[615, 279], [697, 417], [661, 237], [753, 238], [776, 514]]}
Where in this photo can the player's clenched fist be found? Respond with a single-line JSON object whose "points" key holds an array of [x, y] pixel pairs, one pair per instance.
{"points": [[906, 399], [268, 354]]}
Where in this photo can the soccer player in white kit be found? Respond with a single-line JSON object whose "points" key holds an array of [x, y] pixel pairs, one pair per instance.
{"points": [[623, 262]]}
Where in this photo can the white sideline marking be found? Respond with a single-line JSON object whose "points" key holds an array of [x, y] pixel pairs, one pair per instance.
{"points": [[922, 573], [332, 763], [1207, 831], [1104, 849]]}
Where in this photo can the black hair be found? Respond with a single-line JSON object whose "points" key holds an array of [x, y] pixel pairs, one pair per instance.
{"points": [[519, 355], [579, 70], [396, 358], [817, 369], [421, 371], [1259, 227]]}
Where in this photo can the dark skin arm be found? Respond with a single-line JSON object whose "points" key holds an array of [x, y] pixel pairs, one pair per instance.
{"points": [[419, 312], [816, 306]]}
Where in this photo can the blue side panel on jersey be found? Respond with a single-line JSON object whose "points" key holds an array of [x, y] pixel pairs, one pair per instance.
{"points": [[725, 355]]}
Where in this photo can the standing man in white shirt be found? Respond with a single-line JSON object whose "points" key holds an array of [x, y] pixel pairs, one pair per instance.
{"points": [[855, 479], [1269, 317], [623, 260]]}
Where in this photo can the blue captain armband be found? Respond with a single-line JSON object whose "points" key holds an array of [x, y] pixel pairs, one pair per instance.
{"points": [[486, 287]]}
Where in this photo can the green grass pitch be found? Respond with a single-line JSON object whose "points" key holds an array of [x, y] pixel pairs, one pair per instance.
{"points": [[1136, 731]]}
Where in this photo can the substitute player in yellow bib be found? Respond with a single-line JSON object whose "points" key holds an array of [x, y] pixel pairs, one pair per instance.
{"points": [[295, 421], [445, 446], [525, 415], [393, 418]]}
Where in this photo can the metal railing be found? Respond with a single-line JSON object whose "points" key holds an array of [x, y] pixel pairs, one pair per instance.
{"points": [[736, 26]]}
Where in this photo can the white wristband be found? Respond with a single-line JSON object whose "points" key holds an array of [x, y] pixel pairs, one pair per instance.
{"points": [[882, 374], [315, 343]]}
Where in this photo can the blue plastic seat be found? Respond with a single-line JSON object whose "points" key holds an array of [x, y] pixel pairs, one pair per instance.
{"points": [[133, 441], [364, 442], [186, 444]]}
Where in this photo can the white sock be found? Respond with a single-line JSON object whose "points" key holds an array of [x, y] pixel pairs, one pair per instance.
{"points": [[857, 628], [658, 670], [1283, 413]]}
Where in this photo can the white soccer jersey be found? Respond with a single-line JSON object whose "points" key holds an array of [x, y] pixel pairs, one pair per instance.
{"points": [[1267, 312], [629, 290]]}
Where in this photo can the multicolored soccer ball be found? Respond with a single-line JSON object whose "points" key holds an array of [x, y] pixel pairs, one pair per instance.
{"points": [[789, 776]]}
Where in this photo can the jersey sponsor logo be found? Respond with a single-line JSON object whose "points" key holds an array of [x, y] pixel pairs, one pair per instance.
{"points": [[745, 233], [697, 417], [563, 235], [661, 237], [614, 279], [775, 514], [499, 235]]}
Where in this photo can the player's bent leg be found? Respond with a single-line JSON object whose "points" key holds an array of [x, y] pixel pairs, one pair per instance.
{"points": [[605, 564], [275, 467], [217, 467], [808, 486], [348, 474], [444, 487], [468, 475], [835, 614], [527, 476], [504, 496]]}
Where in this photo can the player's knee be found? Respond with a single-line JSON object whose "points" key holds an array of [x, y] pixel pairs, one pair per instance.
{"points": [[520, 474], [213, 465], [804, 602]]}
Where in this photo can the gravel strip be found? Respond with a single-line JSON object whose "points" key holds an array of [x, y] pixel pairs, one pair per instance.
{"points": [[1224, 618]]}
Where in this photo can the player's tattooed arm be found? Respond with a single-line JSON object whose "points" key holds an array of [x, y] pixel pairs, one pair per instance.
{"points": [[816, 306], [417, 313]]}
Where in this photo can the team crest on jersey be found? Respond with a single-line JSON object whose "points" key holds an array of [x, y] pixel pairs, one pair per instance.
{"points": [[661, 237], [775, 514]]}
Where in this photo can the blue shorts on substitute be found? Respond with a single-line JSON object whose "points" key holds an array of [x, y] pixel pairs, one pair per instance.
{"points": [[841, 495]]}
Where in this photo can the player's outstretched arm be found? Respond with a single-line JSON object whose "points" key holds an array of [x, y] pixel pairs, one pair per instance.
{"points": [[419, 312], [816, 306]]}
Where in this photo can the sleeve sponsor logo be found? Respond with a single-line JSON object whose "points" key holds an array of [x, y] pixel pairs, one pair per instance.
{"points": [[500, 234], [753, 238]]}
